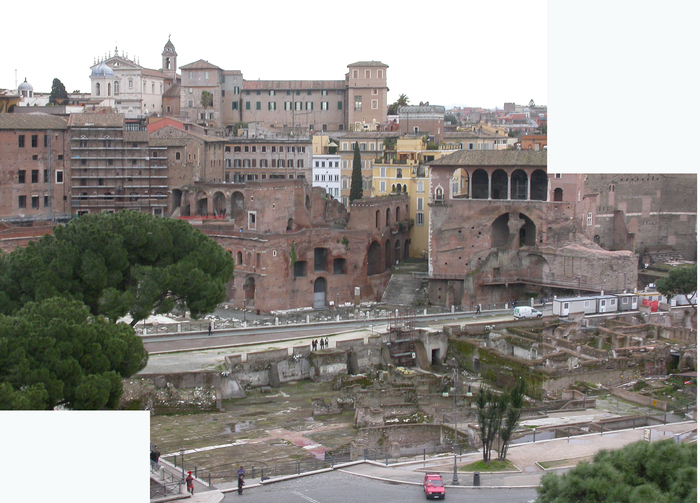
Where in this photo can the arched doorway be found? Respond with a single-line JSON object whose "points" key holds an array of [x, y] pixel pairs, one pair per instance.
{"points": [[499, 184], [528, 232], [249, 291], [518, 184], [459, 183], [480, 184], [238, 207], [374, 259], [320, 293], [219, 204], [558, 194], [387, 255], [201, 204], [538, 185], [500, 231]]}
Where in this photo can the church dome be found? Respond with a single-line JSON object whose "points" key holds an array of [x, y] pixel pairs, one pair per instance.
{"points": [[102, 70], [25, 86]]}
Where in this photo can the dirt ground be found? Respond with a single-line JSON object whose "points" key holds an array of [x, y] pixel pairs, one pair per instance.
{"points": [[260, 430]]}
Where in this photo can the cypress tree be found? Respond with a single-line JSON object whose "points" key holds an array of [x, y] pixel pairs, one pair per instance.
{"points": [[356, 182]]}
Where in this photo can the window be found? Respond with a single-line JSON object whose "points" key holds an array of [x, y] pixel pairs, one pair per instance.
{"points": [[324, 105], [358, 102], [419, 204], [190, 103], [35, 201], [363, 146], [368, 74], [324, 92], [297, 105], [206, 75], [22, 201], [257, 93], [380, 74], [59, 176], [251, 220], [234, 105], [382, 186], [375, 104], [300, 163], [272, 92], [420, 187], [419, 219], [247, 105], [236, 90], [299, 268], [35, 140], [21, 176], [258, 105], [190, 74], [223, 93], [589, 220], [46, 176], [271, 105], [340, 105], [287, 105], [46, 201]]}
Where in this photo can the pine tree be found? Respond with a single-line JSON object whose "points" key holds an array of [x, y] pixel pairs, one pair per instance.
{"points": [[58, 92], [356, 182]]}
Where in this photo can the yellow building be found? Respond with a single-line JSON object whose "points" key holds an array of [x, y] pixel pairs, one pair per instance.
{"points": [[404, 170]]}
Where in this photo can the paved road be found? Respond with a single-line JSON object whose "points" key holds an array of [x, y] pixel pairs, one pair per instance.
{"points": [[193, 341], [339, 487]]}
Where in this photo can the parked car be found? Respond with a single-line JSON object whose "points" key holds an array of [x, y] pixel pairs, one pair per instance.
{"points": [[524, 312], [433, 486]]}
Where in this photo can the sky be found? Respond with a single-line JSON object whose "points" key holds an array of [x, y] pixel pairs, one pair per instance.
{"points": [[461, 44], [619, 79]]}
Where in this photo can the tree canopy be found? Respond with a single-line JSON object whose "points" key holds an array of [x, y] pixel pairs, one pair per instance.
{"points": [[53, 352], [661, 472], [122, 263], [207, 99], [58, 92], [356, 180], [498, 416], [680, 281]]}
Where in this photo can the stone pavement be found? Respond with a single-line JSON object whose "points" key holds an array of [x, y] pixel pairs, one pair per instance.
{"points": [[526, 457]]}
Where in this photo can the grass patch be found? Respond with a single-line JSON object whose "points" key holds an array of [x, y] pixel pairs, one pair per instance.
{"points": [[563, 463], [495, 465]]}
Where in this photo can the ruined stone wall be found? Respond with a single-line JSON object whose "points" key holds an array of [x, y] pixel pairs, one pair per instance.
{"points": [[659, 209]]}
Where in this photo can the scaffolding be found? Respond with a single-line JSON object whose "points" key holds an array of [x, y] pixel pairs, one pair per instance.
{"points": [[401, 337]]}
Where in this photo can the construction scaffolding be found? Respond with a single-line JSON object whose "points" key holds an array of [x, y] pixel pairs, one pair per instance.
{"points": [[401, 336]]}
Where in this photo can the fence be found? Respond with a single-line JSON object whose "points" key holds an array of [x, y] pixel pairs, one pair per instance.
{"points": [[170, 485]]}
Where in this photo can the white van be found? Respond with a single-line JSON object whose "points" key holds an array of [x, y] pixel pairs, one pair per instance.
{"points": [[524, 312]]}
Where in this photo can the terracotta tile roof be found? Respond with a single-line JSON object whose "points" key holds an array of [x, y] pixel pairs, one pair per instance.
{"points": [[172, 92], [369, 63], [493, 158], [32, 121], [138, 136], [198, 65], [96, 120], [293, 85], [154, 73]]}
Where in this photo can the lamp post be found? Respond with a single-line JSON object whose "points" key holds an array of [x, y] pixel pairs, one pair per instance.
{"points": [[455, 480], [182, 461]]}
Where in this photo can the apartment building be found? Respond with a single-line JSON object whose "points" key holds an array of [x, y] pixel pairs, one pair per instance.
{"points": [[113, 167], [326, 174], [273, 158], [371, 148], [404, 170], [33, 168]]}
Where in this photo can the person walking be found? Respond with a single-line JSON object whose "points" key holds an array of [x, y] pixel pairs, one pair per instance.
{"points": [[313, 345], [241, 483], [210, 327], [326, 342], [321, 342], [478, 309], [155, 455], [190, 483]]}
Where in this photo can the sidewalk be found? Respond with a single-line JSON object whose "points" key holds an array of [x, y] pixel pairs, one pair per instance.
{"points": [[524, 456]]}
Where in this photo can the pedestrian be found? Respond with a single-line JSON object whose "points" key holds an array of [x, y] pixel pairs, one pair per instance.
{"points": [[478, 309], [241, 483], [190, 483], [241, 471], [156, 455], [313, 345], [321, 342], [211, 323], [326, 342]]}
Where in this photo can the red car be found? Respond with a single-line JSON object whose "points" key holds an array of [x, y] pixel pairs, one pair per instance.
{"points": [[433, 486]]}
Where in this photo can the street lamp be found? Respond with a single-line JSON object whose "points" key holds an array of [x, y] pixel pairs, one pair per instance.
{"points": [[182, 461], [455, 480]]}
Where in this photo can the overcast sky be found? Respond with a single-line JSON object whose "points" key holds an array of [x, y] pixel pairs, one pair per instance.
{"points": [[446, 52]]}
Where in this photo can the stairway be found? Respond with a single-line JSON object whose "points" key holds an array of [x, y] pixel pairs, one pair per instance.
{"points": [[403, 289]]}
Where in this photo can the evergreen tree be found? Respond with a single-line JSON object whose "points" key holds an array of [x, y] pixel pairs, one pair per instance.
{"points": [[356, 182], [58, 93]]}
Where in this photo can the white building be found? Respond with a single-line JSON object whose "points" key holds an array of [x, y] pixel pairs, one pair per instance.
{"points": [[326, 174], [131, 89]]}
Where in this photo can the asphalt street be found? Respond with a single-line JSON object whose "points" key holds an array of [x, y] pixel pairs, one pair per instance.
{"points": [[339, 487]]}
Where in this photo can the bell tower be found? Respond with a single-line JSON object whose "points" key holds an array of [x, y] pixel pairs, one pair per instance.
{"points": [[169, 59]]}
